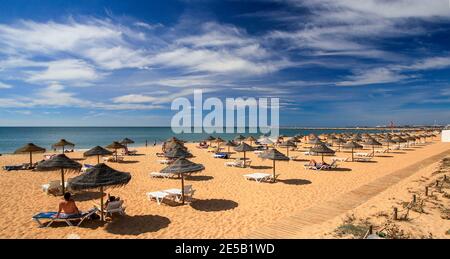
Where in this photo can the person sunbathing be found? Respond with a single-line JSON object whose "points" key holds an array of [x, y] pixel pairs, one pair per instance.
{"points": [[312, 162], [111, 199], [67, 207]]}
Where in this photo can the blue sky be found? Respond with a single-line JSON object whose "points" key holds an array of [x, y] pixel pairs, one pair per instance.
{"points": [[121, 63]]}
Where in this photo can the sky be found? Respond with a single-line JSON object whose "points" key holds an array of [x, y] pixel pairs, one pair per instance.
{"points": [[121, 63]]}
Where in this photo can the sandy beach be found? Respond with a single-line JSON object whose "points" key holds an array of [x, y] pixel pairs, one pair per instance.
{"points": [[225, 205]]}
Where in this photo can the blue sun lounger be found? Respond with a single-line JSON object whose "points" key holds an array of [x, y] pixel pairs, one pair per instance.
{"points": [[68, 220]]}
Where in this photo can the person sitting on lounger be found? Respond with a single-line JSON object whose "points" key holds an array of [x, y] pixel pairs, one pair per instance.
{"points": [[312, 162], [111, 199], [67, 207]]}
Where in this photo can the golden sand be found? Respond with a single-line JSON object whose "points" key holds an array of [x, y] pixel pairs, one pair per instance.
{"points": [[225, 205]]}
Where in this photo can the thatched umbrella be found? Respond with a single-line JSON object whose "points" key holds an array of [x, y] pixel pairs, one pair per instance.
{"points": [[173, 145], [274, 155], [250, 139], [229, 144], [210, 139], [126, 142], [100, 176], [265, 141], [243, 147], [315, 141], [59, 162], [399, 140], [97, 151], [353, 145], [30, 148], [288, 144], [177, 153], [371, 141], [115, 145], [388, 140], [62, 144], [182, 166], [339, 142], [239, 138], [322, 149], [219, 141]]}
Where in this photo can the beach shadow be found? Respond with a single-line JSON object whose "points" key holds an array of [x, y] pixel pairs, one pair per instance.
{"points": [[212, 205], [295, 181], [339, 169], [300, 160], [136, 225], [383, 156], [408, 149], [367, 162], [199, 178], [261, 167], [129, 162], [397, 152], [79, 159]]}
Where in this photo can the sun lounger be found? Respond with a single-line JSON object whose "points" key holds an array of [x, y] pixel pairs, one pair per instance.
{"points": [[159, 175], [164, 161], [160, 155], [113, 159], [340, 159], [86, 167], [14, 167], [114, 207], [258, 177], [221, 155], [68, 220], [48, 157], [174, 194]]}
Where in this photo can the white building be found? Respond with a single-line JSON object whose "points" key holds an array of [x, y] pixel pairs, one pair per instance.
{"points": [[445, 136]]}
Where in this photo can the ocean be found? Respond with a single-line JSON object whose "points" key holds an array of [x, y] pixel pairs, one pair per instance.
{"points": [[12, 138]]}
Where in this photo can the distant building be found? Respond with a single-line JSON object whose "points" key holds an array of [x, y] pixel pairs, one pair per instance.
{"points": [[445, 136]]}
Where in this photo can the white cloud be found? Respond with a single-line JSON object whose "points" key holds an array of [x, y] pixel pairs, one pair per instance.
{"points": [[134, 98], [5, 86], [372, 76], [65, 70]]}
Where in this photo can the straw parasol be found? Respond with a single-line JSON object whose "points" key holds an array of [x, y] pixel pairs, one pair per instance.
{"points": [[100, 176], [126, 142], [30, 148], [265, 141], [62, 144], [339, 142], [115, 145], [239, 138], [97, 151], [274, 155], [322, 149], [59, 162], [243, 147], [250, 139], [388, 140], [210, 139], [288, 144], [353, 145], [372, 142], [177, 153], [229, 144], [182, 166], [315, 141]]}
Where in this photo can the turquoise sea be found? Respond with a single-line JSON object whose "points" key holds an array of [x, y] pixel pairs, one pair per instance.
{"points": [[12, 138]]}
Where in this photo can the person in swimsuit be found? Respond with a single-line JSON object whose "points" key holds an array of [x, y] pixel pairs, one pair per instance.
{"points": [[67, 207]]}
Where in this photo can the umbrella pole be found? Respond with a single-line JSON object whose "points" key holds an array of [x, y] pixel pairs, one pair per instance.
{"points": [[62, 181], [98, 159], [274, 170], [287, 151], [352, 155], [31, 159], [322, 159], [101, 203], [63, 149], [244, 159], [182, 188]]}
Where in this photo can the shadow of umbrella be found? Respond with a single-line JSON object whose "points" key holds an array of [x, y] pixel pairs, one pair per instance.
{"points": [[212, 205], [136, 225]]}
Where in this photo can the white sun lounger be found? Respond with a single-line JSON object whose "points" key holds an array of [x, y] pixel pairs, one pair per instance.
{"points": [[258, 177], [159, 175], [164, 161], [340, 159], [158, 196], [175, 194]]}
